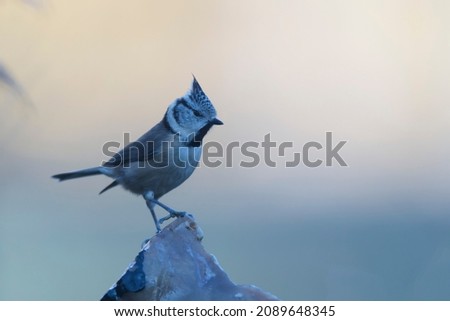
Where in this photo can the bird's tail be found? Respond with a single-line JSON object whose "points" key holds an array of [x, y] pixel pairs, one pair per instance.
{"points": [[78, 174]]}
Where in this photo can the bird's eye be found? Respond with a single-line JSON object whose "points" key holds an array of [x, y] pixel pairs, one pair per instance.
{"points": [[197, 113]]}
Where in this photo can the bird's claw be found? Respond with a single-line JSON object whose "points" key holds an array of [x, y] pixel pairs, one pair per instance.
{"points": [[171, 215]]}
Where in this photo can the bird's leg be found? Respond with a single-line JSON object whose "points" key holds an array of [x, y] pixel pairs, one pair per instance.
{"points": [[151, 206], [172, 213]]}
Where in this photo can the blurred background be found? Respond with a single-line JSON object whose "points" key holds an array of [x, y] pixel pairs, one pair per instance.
{"points": [[76, 74]]}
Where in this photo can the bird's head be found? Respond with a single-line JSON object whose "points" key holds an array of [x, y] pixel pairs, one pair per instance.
{"points": [[192, 113]]}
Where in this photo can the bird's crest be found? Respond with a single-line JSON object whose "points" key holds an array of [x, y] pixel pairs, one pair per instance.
{"points": [[198, 96]]}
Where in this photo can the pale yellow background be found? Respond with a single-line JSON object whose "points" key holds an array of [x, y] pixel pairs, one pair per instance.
{"points": [[375, 73]]}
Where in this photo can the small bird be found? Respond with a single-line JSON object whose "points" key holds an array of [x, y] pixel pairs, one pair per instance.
{"points": [[164, 157]]}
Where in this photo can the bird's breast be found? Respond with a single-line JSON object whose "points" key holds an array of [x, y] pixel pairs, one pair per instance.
{"points": [[160, 178], [187, 155]]}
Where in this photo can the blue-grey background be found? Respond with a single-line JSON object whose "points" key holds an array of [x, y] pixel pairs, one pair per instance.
{"points": [[375, 73]]}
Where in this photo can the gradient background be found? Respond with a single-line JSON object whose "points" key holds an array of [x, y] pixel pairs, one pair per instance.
{"points": [[375, 73]]}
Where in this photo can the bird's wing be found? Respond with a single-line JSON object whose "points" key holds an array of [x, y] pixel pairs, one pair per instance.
{"points": [[113, 184], [147, 147]]}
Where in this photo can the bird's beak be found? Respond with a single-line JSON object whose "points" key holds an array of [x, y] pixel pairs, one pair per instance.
{"points": [[216, 121]]}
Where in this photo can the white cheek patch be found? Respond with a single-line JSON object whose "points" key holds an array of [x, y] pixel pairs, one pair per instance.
{"points": [[172, 121]]}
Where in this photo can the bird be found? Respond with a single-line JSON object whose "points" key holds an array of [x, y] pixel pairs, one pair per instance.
{"points": [[164, 157]]}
